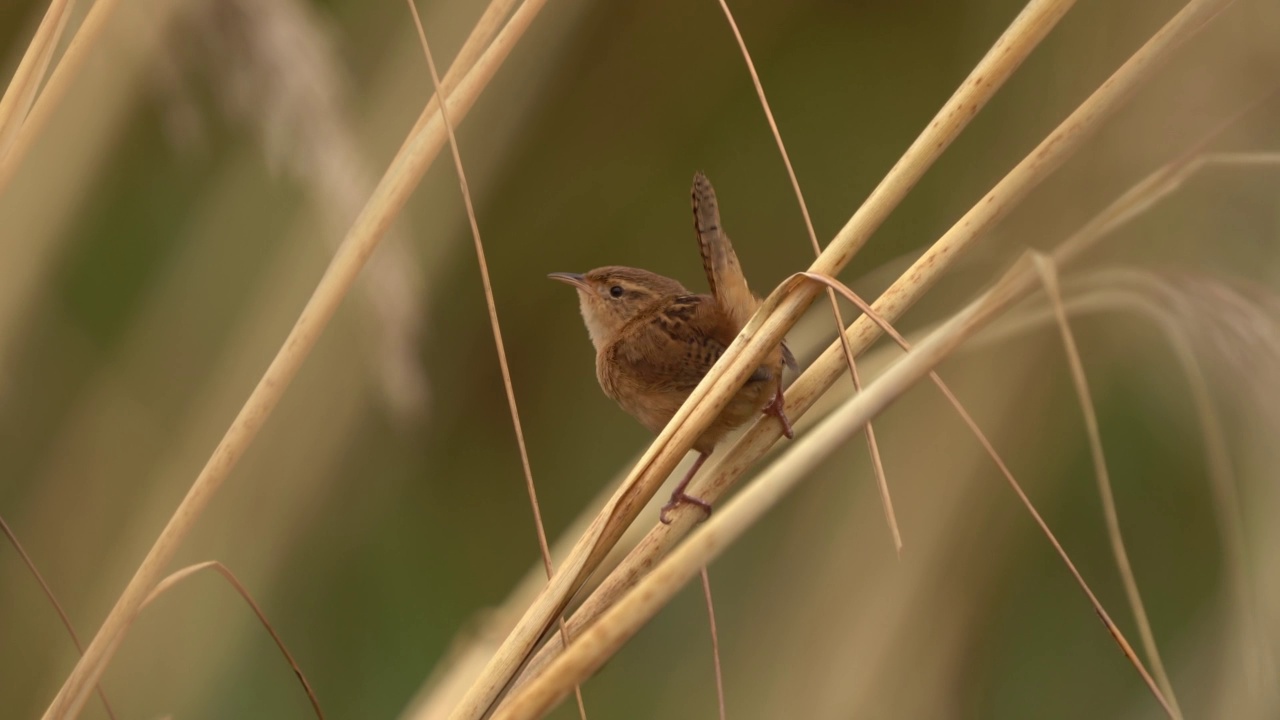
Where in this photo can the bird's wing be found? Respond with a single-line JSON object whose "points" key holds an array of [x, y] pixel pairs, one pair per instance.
{"points": [[675, 347], [724, 273]]}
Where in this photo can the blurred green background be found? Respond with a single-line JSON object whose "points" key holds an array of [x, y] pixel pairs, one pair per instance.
{"points": [[164, 233]]}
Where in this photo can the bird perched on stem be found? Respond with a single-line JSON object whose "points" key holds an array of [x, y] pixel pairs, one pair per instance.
{"points": [[655, 340]]}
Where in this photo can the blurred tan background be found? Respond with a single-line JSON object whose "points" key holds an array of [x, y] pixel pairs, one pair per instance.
{"points": [[161, 238]]}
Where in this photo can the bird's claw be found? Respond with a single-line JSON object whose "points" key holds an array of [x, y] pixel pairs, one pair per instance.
{"points": [[676, 499]]}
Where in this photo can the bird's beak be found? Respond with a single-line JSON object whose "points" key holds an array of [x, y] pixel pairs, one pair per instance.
{"points": [[573, 279]]}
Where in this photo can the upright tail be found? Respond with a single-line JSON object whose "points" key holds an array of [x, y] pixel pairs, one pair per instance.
{"points": [[724, 274]]}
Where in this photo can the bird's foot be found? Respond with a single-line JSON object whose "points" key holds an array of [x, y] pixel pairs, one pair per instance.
{"points": [[677, 498], [778, 409]]}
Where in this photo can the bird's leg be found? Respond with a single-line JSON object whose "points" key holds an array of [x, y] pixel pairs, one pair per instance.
{"points": [[678, 495], [778, 409]]}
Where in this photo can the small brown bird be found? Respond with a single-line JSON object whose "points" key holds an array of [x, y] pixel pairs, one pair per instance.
{"points": [[655, 340]]}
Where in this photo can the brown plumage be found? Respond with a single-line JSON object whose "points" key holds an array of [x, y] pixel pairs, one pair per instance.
{"points": [[655, 340]]}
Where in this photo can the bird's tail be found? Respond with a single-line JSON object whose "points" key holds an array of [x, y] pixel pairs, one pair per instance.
{"points": [[724, 273]]}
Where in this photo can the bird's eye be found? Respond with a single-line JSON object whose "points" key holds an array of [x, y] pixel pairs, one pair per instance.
{"points": [[616, 291]]}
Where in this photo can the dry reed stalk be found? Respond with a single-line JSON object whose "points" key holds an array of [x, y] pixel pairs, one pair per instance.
{"points": [[53, 600], [23, 86], [59, 80], [1047, 271], [877, 465], [499, 346], [904, 292], [715, 641], [400, 360], [490, 303], [406, 169], [42, 202], [764, 332]]}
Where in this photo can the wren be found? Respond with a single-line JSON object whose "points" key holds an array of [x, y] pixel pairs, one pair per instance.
{"points": [[655, 340]]}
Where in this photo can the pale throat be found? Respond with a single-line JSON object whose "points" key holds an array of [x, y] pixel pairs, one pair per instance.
{"points": [[596, 325]]}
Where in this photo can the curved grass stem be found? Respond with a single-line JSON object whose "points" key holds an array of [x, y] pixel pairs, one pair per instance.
{"points": [[178, 576]]}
